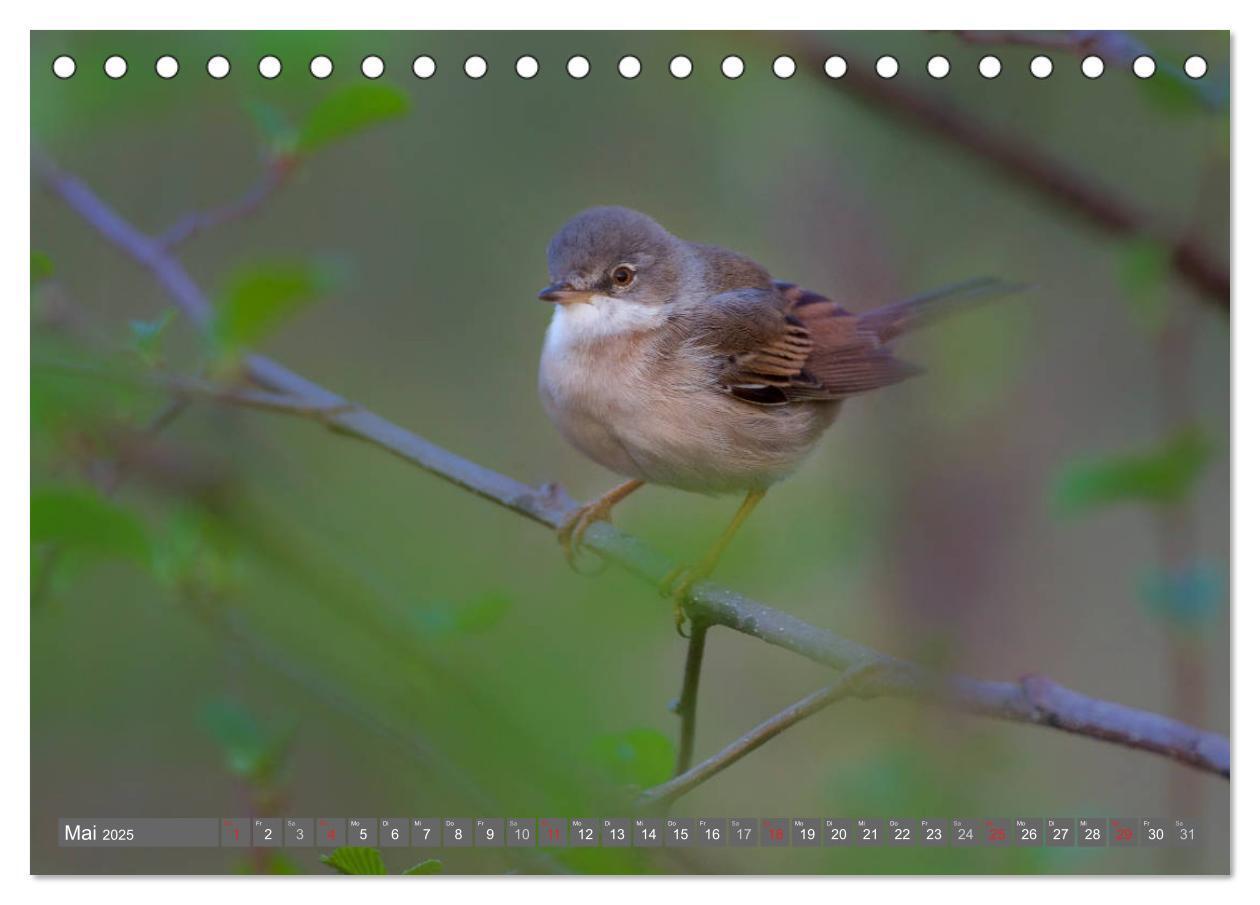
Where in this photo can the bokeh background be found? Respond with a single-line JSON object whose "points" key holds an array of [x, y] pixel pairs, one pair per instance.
{"points": [[244, 614]]}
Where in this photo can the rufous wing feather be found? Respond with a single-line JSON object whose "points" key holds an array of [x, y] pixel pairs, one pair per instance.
{"points": [[789, 344], [847, 357]]}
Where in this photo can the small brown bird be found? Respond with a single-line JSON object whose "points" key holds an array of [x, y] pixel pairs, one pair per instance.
{"points": [[686, 365]]}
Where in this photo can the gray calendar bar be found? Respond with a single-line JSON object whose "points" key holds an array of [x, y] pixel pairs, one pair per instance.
{"points": [[639, 832], [141, 832]]}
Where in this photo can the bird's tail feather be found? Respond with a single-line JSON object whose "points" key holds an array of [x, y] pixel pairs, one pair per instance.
{"points": [[893, 320]]}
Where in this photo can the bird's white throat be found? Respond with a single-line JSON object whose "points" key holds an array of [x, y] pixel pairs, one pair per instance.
{"points": [[578, 324]]}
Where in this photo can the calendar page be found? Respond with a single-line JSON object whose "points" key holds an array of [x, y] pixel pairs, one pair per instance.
{"points": [[629, 452]]}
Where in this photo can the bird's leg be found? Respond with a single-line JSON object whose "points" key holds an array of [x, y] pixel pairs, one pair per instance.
{"points": [[575, 526], [680, 580]]}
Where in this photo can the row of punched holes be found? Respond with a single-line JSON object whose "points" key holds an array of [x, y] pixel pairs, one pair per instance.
{"points": [[578, 67]]}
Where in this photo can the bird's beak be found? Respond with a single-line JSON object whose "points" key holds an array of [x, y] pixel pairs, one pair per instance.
{"points": [[563, 294]]}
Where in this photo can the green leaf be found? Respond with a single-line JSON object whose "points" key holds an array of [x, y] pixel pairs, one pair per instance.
{"points": [[41, 267], [272, 863], [1188, 597], [146, 337], [280, 134], [280, 864], [66, 399], [1144, 269], [353, 860], [350, 110], [1163, 475], [195, 550], [474, 616], [1171, 91], [482, 613], [82, 518], [639, 757], [424, 868], [252, 751], [258, 299]]}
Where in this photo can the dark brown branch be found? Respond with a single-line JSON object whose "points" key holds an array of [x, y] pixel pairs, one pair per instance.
{"points": [[708, 602], [688, 699], [1050, 178], [848, 685], [1117, 48]]}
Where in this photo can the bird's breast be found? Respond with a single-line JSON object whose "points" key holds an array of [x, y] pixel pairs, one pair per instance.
{"points": [[592, 378], [649, 409]]}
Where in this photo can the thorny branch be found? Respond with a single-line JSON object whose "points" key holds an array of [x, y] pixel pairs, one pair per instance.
{"points": [[1033, 699]]}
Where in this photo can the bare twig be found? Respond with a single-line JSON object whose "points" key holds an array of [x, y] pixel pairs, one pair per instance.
{"points": [[689, 697], [1026, 164], [184, 388], [848, 685], [1036, 701], [273, 176], [1117, 48]]}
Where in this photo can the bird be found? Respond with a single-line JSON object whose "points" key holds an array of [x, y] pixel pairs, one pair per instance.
{"points": [[688, 365]]}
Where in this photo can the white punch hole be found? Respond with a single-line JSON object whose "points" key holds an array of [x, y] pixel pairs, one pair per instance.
{"points": [[269, 67], [64, 66], [732, 67], [1092, 67], [321, 66], [886, 67], [166, 66], [475, 67], [423, 67], [1144, 67], [372, 67], [784, 67], [835, 67], [218, 67], [990, 67], [526, 67], [629, 67], [680, 67], [1041, 66], [115, 67], [1195, 66], [938, 67]]}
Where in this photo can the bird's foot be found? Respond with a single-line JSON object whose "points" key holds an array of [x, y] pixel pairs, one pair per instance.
{"points": [[677, 584], [574, 529]]}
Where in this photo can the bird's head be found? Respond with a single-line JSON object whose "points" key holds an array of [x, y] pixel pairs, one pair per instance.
{"points": [[612, 256]]}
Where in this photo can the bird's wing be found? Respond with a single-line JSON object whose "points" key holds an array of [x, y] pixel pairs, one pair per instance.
{"points": [[783, 345], [850, 354]]}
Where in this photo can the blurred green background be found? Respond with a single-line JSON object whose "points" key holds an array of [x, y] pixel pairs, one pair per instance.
{"points": [[265, 618]]}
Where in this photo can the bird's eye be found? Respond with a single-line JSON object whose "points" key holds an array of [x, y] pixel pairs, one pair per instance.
{"points": [[623, 275]]}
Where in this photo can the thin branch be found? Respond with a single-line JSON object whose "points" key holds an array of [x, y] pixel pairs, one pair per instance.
{"points": [[1033, 700], [1117, 48], [273, 176], [848, 685], [688, 698], [1052, 179], [184, 387]]}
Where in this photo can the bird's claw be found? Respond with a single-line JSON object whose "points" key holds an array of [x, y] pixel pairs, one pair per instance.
{"points": [[677, 584], [572, 532]]}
